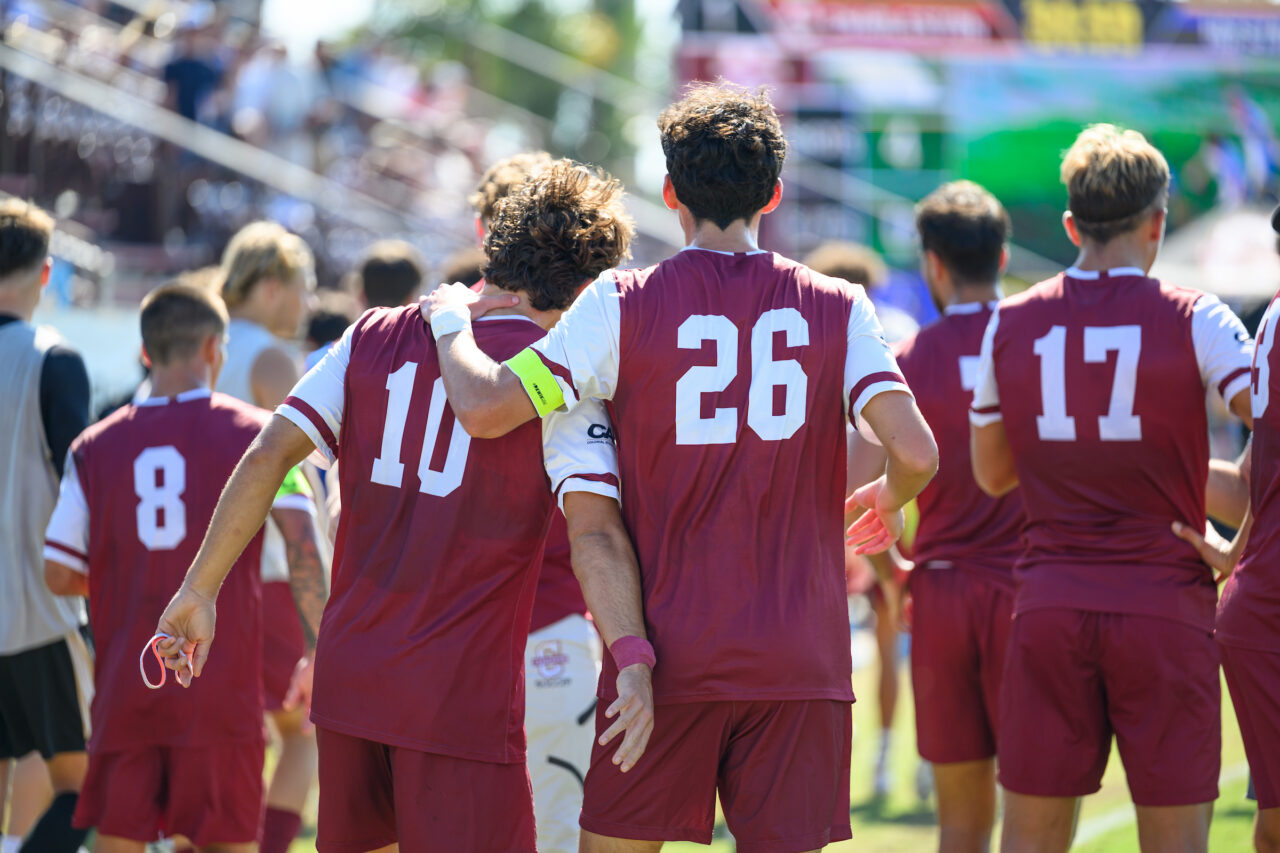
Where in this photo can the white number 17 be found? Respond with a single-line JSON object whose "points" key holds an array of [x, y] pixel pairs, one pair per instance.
{"points": [[1119, 423]]}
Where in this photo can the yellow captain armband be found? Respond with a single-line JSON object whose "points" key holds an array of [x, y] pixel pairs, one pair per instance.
{"points": [[538, 381]]}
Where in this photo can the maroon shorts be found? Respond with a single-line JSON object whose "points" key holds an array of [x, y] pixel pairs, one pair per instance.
{"points": [[961, 625], [1074, 678], [211, 795], [372, 795], [283, 643], [1253, 677], [782, 770]]}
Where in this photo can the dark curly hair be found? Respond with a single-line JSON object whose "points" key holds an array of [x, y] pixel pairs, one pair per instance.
{"points": [[724, 148], [556, 232], [967, 227]]}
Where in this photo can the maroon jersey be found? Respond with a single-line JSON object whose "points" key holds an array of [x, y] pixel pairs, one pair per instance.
{"points": [[729, 379], [960, 526], [438, 547], [1100, 381], [138, 494], [1249, 613], [559, 594]]}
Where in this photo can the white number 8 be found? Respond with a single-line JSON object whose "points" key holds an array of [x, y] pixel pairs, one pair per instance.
{"points": [[152, 467]]}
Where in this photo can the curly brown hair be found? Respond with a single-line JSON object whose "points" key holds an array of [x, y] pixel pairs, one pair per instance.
{"points": [[556, 232], [503, 177], [1115, 179], [724, 148]]}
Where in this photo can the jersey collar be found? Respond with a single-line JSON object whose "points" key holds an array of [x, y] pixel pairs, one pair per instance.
{"points": [[969, 307], [193, 394], [1094, 275]]}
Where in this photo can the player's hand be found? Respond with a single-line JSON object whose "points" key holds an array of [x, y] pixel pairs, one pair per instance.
{"points": [[1217, 553], [448, 295], [879, 526], [299, 693], [634, 710], [189, 621]]}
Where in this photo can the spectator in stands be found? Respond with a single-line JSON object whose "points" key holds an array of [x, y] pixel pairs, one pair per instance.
{"points": [[193, 74], [45, 664], [390, 274]]}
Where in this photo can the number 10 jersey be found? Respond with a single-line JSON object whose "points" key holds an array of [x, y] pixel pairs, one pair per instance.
{"points": [[1100, 380]]}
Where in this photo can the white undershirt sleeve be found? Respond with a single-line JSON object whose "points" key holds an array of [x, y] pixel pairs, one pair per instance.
{"points": [[986, 397], [582, 348], [869, 368], [66, 539], [1224, 350], [579, 452], [315, 404]]}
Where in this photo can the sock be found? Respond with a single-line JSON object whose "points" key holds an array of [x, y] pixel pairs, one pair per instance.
{"points": [[278, 830], [54, 832], [884, 742], [10, 844]]}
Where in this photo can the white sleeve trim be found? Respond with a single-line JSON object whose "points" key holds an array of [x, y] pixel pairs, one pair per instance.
{"points": [[986, 394], [1224, 350], [585, 342], [69, 524], [868, 357], [579, 453], [875, 389], [595, 487], [322, 456], [988, 419]]}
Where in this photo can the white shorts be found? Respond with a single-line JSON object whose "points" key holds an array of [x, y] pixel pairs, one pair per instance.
{"points": [[562, 666]]}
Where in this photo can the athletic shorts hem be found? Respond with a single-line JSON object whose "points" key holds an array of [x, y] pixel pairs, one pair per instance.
{"points": [[958, 757], [1015, 787], [400, 742], [1193, 798], [354, 846], [697, 835], [198, 840], [802, 844]]}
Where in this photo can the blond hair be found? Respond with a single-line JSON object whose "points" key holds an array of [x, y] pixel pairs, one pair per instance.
{"points": [[1115, 179], [25, 231], [505, 177], [263, 250]]}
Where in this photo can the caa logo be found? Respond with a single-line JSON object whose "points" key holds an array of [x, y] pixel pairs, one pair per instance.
{"points": [[549, 660], [600, 432]]}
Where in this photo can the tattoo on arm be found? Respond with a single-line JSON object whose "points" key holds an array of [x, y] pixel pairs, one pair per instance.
{"points": [[307, 579]]}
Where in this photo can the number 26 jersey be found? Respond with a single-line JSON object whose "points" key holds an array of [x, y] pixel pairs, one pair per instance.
{"points": [[1100, 380], [729, 379]]}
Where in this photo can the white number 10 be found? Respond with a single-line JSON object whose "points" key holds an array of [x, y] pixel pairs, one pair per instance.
{"points": [[388, 470], [1119, 423]]}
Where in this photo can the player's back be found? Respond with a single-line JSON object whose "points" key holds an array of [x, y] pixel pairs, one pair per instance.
{"points": [[730, 420], [437, 551], [151, 475], [960, 526], [1251, 597], [1103, 402]]}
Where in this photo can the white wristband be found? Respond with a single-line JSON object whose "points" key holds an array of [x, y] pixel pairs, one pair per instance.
{"points": [[450, 321]]}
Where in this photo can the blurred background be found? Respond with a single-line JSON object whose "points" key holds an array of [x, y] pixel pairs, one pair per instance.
{"points": [[155, 128]]}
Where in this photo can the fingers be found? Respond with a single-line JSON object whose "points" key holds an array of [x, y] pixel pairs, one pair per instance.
{"points": [[199, 654], [307, 726], [1188, 534], [867, 525], [292, 697], [877, 544], [637, 740], [485, 304]]}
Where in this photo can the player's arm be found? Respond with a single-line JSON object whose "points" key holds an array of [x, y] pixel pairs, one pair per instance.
{"points": [[989, 450], [1224, 354], [866, 461], [1226, 494], [911, 461], [273, 374], [294, 512], [66, 541], [241, 510]]}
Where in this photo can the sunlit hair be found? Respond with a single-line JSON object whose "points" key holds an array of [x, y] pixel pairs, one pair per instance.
{"points": [[1115, 179], [556, 232], [852, 262], [967, 228], [503, 177], [177, 318], [724, 149], [25, 231], [261, 251]]}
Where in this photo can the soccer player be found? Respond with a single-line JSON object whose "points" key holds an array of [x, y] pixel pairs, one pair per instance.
{"points": [[1248, 626], [1091, 396], [169, 762], [730, 372], [45, 664], [267, 280], [390, 275], [418, 684], [966, 542], [562, 656]]}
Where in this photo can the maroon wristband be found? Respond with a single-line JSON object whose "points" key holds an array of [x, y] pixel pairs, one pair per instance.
{"points": [[631, 650]]}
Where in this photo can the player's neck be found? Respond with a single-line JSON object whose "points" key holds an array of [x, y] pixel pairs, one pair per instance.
{"points": [[965, 293], [1117, 253], [171, 380], [19, 299], [740, 236], [545, 319]]}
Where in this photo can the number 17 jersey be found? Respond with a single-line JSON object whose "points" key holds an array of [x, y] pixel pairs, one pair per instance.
{"points": [[1100, 380], [729, 379]]}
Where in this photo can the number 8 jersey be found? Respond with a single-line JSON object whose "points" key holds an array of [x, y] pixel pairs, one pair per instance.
{"points": [[729, 379], [1100, 380], [439, 542]]}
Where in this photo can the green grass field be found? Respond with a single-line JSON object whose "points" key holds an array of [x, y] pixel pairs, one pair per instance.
{"points": [[901, 824]]}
